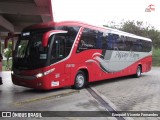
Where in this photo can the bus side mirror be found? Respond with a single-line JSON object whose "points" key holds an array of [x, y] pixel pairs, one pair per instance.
{"points": [[45, 39], [46, 36]]}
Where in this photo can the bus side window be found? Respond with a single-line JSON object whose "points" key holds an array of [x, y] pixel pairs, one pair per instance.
{"points": [[139, 45], [58, 49], [88, 40], [104, 41], [121, 45], [128, 44], [115, 41], [148, 46], [70, 37], [99, 40], [110, 42]]}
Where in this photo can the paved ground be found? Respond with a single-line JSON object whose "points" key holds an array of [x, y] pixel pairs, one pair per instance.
{"points": [[133, 94], [127, 93], [15, 98]]}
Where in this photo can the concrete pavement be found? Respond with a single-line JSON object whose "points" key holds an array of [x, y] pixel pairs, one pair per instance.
{"points": [[133, 94], [15, 98], [127, 94]]}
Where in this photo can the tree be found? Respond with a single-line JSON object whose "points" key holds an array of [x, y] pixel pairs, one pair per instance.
{"points": [[8, 54]]}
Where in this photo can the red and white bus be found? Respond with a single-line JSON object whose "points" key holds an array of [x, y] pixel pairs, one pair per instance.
{"points": [[58, 54]]}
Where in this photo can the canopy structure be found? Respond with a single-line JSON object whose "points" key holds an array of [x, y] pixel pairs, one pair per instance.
{"points": [[17, 14]]}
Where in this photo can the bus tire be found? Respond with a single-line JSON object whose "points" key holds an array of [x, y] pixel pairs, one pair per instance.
{"points": [[138, 72], [80, 80]]}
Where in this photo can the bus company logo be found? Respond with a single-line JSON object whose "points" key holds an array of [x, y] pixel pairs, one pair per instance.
{"points": [[150, 8]]}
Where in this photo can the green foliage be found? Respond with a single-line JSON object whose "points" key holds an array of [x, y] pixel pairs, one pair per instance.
{"points": [[8, 51], [156, 52], [8, 55], [156, 57], [6, 65]]}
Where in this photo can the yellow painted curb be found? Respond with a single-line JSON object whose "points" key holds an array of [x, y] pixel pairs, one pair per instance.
{"points": [[44, 98]]}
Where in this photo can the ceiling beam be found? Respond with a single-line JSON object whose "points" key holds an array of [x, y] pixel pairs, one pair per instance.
{"points": [[6, 24], [23, 9], [46, 18], [19, 28], [52, 10], [44, 3], [24, 23]]}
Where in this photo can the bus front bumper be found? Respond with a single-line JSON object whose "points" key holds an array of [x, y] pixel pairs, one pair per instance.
{"points": [[37, 83]]}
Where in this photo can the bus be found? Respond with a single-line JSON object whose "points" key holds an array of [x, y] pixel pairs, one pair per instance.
{"points": [[70, 53]]}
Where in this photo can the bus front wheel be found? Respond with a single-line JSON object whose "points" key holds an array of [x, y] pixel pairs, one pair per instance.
{"points": [[138, 72], [80, 80]]}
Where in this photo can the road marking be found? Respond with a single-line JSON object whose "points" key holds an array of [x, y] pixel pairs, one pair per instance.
{"points": [[45, 97]]}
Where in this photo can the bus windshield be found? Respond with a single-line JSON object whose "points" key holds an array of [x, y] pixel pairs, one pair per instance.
{"points": [[29, 52]]}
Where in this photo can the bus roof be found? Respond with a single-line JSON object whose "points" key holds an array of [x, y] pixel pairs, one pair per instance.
{"points": [[77, 23], [115, 31]]}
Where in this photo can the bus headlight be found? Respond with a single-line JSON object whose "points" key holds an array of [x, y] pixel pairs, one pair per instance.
{"points": [[45, 73], [39, 75]]}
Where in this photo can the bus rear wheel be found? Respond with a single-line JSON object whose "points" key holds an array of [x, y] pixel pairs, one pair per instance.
{"points": [[80, 80], [138, 72]]}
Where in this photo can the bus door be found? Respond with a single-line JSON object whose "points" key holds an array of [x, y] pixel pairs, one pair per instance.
{"points": [[58, 54]]}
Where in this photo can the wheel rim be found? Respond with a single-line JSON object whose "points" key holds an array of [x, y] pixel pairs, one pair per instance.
{"points": [[138, 71], [80, 80]]}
